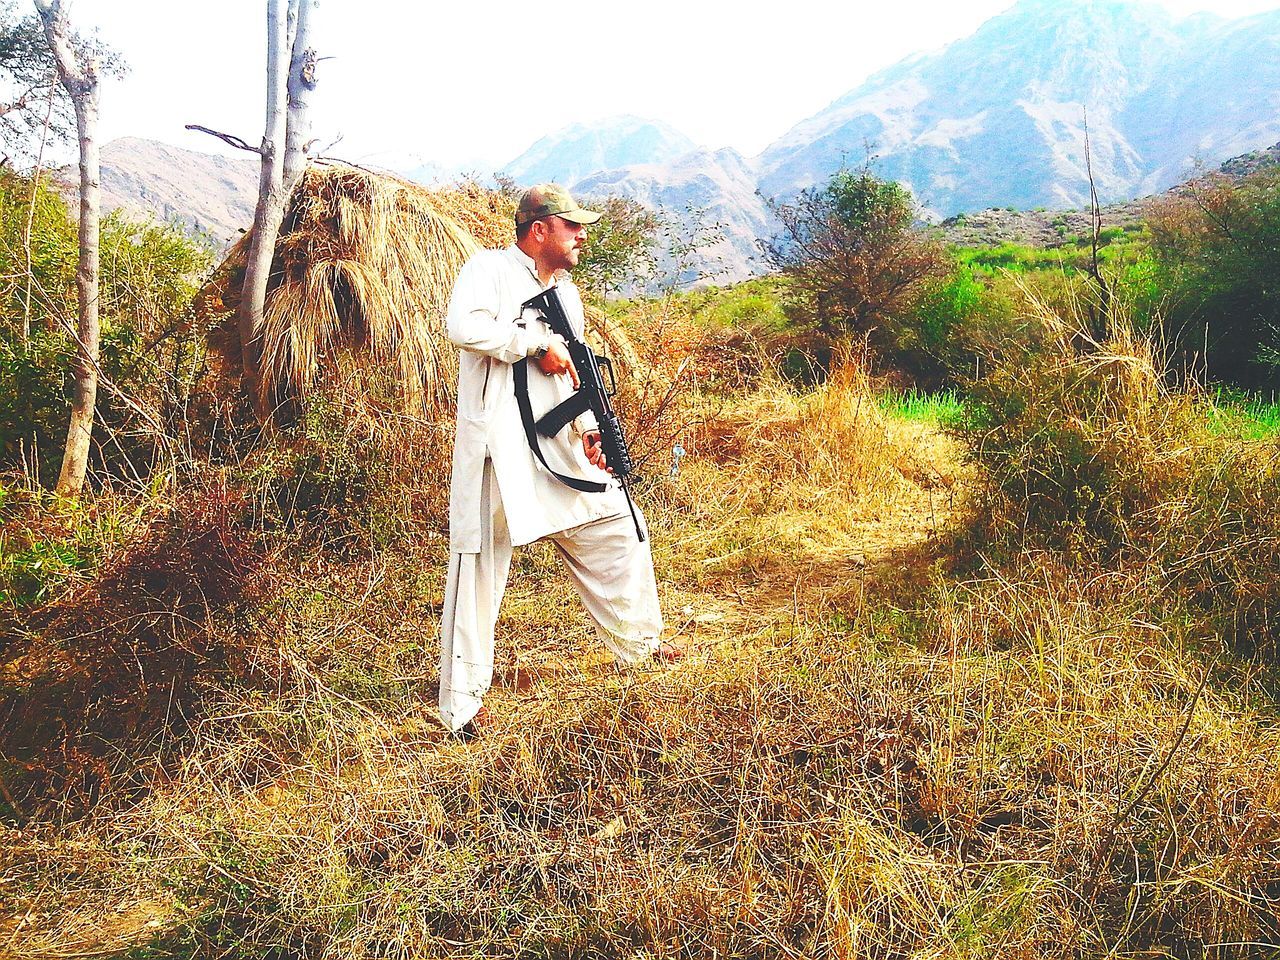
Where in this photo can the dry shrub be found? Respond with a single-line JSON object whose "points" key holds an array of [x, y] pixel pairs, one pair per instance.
{"points": [[827, 436], [1080, 437], [1106, 734], [1088, 450], [659, 381], [719, 391], [96, 685], [353, 473]]}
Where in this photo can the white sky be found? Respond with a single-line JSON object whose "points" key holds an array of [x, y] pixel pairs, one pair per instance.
{"points": [[412, 81]]}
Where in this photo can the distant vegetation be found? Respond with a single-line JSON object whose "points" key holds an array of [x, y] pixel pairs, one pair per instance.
{"points": [[152, 348]]}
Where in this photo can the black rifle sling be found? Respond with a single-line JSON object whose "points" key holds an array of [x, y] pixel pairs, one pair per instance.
{"points": [[520, 369], [554, 420]]}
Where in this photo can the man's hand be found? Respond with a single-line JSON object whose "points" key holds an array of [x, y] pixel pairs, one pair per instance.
{"points": [[557, 361], [594, 451]]}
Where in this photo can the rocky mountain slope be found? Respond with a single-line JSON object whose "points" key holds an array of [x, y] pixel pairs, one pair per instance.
{"points": [[703, 190], [1048, 228], [1000, 118], [210, 194]]}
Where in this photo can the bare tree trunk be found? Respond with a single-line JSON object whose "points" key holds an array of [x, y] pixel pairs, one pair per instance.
{"points": [[283, 153], [1102, 320], [302, 84], [80, 79], [270, 209]]}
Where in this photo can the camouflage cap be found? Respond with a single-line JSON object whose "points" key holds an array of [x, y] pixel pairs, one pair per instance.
{"points": [[551, 200]]}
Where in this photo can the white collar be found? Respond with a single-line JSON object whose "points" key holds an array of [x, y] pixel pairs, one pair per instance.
{"points": [[526, 261]]}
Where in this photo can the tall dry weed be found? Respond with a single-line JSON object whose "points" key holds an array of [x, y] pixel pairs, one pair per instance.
{"points": [[1089, 450]]}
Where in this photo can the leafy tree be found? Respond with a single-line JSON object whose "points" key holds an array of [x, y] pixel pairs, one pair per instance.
{"points": [[621, 250], [855, 263], [633, 248], [28, 86], [30, 94], [1218, 248]]}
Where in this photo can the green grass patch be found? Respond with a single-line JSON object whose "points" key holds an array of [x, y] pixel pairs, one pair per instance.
{"points": [[1118, 247], [755, 303], [945, 409], [1248, 416], [750, 303]]}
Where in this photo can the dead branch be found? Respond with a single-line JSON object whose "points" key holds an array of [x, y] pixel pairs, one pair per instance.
{"points": [[227, 138]]}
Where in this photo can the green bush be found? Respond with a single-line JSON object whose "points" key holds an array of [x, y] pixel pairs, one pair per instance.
{"points": [[48, 544], [753, 306], [978, 313], [33, 401], [1218, 251], [42, 294], [947, 311], [151, 349]]}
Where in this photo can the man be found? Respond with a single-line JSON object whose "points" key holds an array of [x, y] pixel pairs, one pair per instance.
{"points": [[500, 496]]}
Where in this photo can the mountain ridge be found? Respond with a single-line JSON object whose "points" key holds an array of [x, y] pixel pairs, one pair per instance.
{"points": [[1023, 112], [998, 118]]}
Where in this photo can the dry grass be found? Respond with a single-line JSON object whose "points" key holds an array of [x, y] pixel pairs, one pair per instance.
{"points": [[822, 787], [874, 750]]}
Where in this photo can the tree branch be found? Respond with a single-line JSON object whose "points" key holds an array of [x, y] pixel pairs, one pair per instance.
{"points": [[225, 137]]}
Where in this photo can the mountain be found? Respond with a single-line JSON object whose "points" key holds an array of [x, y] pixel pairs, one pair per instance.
{"points": [[999, 118], [1219, 98], [995, 119], [209, 194], [713, 189], [582, 149]]}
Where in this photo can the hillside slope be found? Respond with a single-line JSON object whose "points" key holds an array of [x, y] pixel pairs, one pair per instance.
{"points": [[209, 193]]}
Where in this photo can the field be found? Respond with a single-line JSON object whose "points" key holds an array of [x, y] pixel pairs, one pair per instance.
{"points": [[897, 734], [979, 603]]}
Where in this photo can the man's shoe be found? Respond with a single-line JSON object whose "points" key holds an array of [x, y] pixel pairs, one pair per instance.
{"points": [[667, 653], [471, 729]]}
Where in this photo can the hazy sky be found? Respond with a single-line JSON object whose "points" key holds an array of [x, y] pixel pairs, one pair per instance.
{"points": [[450, 82]]}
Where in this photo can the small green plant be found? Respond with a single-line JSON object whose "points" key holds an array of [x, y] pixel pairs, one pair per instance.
{"points": [[48, 544], [1235, 413], [945, 408]]}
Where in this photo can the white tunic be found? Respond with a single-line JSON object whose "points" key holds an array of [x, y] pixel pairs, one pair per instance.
{"points": [[486, 322]]}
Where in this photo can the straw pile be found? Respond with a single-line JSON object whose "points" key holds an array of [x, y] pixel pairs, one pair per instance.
{"points": [[363, 268]]}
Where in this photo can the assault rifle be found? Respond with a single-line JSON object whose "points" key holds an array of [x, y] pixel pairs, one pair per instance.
{"points": [[592, 394]]}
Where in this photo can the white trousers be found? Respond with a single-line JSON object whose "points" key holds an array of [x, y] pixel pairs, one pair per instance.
{"points": [[611, 569]]}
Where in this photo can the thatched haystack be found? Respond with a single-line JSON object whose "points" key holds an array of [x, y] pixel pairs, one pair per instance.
{"points": [[361, 279], [363, 269], [488, 215]]}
